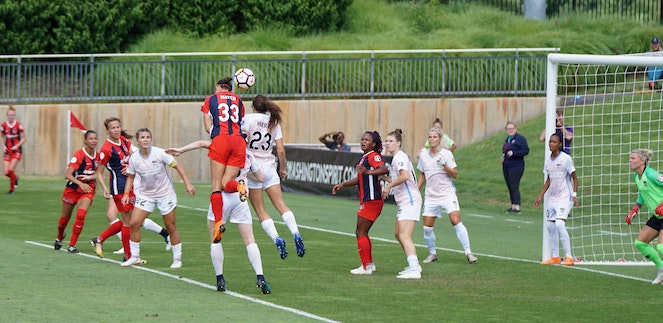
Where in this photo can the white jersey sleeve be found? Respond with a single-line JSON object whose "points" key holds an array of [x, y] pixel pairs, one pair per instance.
{"points": [[406, 193]]}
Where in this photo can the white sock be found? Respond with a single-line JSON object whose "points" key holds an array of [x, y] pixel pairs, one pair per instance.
{"points": [[216, 253], [463, 237], [253, 252], [564, 236], [177, 252], [289, 219], [135, 249], [151, 226], [270, 229], [429, 237], [413, 261], [553, 238]]}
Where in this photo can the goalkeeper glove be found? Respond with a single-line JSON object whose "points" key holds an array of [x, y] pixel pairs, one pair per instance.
{"points": [[632, 213], [659, 210]]}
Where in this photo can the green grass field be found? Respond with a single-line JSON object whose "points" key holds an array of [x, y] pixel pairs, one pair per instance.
{"points": [[40, 284]]}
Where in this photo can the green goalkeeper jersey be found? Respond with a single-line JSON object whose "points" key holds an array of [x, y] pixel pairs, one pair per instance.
{"points": [[650, 189]]}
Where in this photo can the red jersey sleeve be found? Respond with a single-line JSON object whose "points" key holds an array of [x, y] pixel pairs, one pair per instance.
{"points": [[375, 160]]}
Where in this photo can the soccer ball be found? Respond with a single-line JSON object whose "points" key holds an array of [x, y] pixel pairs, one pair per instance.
{"points": [[244, 78]]}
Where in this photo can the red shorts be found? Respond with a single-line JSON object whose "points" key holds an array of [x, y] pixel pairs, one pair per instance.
{"points": [[229, 150], [13, 155], [72, 196], [370, 210], [125, 208]]}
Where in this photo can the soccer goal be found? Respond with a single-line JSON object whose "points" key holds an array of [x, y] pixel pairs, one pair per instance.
{"points": [[607, 101]]}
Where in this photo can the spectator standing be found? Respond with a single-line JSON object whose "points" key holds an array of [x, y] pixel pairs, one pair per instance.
{"points": [[562, 130], [654, 73], [514, 150], [337, 142]]}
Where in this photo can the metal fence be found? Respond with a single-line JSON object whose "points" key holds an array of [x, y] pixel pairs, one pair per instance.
{"points": [[286, 75], [648, 11]]}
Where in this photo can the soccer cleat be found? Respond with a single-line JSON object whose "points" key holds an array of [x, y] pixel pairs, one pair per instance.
{"points": [[16, 184], [299, 244], [552, 261], [58, 242], [280, 246], [413, 274], [431, 258], [409, 269], [96, 245], [471, 258], [241, 189], [219, 228], [264, 287], [167, 239], [509, 210], [10, 192], [369, 270], [129, 262], [119, 251], [176, 264], [659, 277], [220, 283], [72, 249], [568, 261]]}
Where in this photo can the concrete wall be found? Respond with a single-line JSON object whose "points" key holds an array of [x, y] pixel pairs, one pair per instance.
{"points": [[176, 124]]}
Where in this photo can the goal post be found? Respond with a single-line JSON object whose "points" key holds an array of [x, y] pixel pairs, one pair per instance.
{"points": [[607, 102]]}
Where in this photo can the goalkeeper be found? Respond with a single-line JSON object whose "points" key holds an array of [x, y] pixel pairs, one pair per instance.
{"points": [[650, 192]]}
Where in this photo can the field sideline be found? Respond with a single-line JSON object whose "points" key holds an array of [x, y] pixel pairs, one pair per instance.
{"points": [[506, 284]]}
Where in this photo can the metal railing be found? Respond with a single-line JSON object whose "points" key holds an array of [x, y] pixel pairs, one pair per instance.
{"points": [[285, 75]]}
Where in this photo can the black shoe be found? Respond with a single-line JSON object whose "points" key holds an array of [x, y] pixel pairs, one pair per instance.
{"points": [[220, 283], [509, 210], [58, 243], [264, 288], [10, 192], [72, 249]]}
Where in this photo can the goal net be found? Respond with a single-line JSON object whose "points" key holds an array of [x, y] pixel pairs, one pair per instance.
{"points": [[608, 103]]}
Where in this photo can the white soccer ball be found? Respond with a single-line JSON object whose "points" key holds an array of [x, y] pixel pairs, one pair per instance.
{"points": [[244, 78]]}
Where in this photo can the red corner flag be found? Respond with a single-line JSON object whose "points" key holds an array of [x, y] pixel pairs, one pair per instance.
{"points": [[75, 123]]}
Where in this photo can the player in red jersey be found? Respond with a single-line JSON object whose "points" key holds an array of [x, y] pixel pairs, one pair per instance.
{"points": [[14, 136], [81, 176], [370, 167], [114, 156], [224, 111]]}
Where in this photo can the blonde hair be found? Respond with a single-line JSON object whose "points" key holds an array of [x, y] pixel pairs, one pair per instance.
{"points": [[644, 154], [443, 143]]}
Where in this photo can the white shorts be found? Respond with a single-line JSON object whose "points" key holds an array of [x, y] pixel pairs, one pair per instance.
{"points": [[558, 210], [271, 178], [233, 209], [165, 204], [434, 208], [409, 212]]}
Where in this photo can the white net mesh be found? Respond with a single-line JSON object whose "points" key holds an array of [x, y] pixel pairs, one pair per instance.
{"points": [[612, 111]]}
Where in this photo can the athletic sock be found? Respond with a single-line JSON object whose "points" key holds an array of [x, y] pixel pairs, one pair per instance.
{"points": [[114, 228], [564, 237], [231, 187], [253, 252], [216, 199], [364, 247], [429, 237], [78, 226], [648, 251], [126, 233], [553, 238], [270, 229], [134, 246], [177, 252], [289, 219], [62, 224], [150, 225], [216, 253], [463, 237], [413, 261]]}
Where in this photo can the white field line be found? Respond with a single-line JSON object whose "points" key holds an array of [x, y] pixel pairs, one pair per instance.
{"points": [[197, 283]]}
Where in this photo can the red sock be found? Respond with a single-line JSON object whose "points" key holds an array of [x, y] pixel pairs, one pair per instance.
{"points": [[126, 234], [216, 199], [62, 224], [364, 247], [112, 229], [231, 187], [78, 226], [12, 180]]}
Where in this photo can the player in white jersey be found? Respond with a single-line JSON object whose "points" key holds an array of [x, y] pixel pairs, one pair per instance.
{"points": [[263, 131], [438, 167], [156, 191], [235, 211], [406, 193], [561, 185]]}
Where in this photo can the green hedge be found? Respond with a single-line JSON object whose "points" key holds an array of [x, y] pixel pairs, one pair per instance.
{"points": [[90, 26]]}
